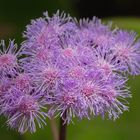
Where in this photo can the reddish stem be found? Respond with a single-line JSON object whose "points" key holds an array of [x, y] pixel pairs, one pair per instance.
{"points": [[63, 127]]}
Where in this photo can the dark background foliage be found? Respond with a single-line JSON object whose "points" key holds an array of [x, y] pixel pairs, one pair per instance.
{"points": [[16, 14]]}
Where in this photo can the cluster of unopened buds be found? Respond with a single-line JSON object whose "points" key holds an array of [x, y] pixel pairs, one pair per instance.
{"points": [[66, 68]]}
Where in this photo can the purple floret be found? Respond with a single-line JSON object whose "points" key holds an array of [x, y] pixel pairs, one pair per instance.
{"points": [[9, 58], [126, 50]]}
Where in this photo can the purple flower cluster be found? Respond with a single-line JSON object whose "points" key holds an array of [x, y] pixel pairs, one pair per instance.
{"points": [[66, 68]]}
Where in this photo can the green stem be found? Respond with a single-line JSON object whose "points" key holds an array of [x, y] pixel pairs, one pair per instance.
{"points": [[54, 129]]}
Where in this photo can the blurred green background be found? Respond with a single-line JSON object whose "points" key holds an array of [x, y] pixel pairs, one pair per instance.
{"points": [[16, 14]]}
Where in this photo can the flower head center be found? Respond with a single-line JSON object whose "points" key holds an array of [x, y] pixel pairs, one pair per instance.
{"points": [[28, 105], [76, 72], [7, 59], [87, 91], [69, 100], [123, 52], [101, 40], [68, 52], [50, 75], [22, 81]]}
